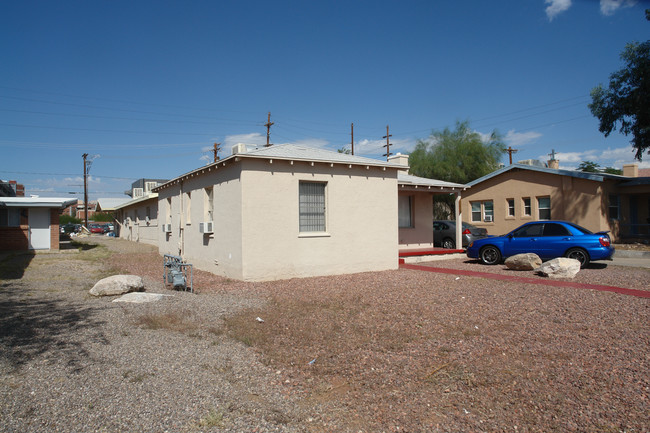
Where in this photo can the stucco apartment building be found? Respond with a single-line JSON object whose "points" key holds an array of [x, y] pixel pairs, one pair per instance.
{"points": [[503, 200], [283, 211], [137, 219]]}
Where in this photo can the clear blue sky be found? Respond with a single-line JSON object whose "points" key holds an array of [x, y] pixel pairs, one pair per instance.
{"points": [[150, 85]]}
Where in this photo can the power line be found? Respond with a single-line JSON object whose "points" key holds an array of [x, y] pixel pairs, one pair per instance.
{"points": [[106, 130], [68, 174], [127, 102]]}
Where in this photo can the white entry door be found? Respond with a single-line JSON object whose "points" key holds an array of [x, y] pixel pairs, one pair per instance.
{"points": [[39, 229]]}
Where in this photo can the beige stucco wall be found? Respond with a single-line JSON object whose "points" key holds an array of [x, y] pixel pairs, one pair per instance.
{"points": [[420, 235], [256, 220], [361, 220], [138, 229], [221, 251], [581, 201]]}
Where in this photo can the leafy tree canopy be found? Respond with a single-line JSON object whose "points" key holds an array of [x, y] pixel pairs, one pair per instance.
{"points": [[593, 167], [589, 167], [461, 155], [624, 104]]}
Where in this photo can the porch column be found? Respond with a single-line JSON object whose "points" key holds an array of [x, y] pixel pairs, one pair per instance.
{"points": [[459, 222]]}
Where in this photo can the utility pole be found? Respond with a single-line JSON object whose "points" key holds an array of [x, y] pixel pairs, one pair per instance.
{"points": [[85, 155], [216, 151], [352, 137], [387, 145], [510, 151], [268, 130]]}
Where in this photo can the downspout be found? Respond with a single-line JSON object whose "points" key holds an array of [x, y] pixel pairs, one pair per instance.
{"points": [[181, 222]]}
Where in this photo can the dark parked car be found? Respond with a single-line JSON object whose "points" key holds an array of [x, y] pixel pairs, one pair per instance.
{"points": [[444, 234], [547, 239]]}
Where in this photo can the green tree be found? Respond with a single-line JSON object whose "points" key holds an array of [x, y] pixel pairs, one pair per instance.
{"points": [[344, 150], [589, 167], [612, 170], [625, 102], [461, 155]]}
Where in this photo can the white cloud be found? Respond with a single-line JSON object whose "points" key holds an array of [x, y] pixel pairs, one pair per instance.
{"points": [[376, 147], [605, 158], [556, 7], [608, 7], [517, 139], [318, 143]]}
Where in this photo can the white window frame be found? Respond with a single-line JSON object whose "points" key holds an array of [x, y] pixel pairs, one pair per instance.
{"points": [[208, 211], [540, 208], [312, 207], [527, 210], [510, 207], [148, 186], [138, 192], [188, 208]]}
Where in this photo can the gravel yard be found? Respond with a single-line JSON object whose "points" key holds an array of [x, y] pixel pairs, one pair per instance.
{"points": [[388, 351]]}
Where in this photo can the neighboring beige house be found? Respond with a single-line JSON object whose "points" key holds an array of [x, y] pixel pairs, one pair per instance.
{"points": [[503, 200], [283, 211], [137, 219]]}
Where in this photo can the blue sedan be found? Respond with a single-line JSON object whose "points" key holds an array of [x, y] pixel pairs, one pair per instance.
{"points": [[547, 239]]}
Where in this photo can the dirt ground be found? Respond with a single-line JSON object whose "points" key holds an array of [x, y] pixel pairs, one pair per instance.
{"points": [[391, 351]]}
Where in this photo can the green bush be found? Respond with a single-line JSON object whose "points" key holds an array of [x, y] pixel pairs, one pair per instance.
{"points": [[65, 219]]}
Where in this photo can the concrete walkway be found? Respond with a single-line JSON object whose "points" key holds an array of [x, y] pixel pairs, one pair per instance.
{"points": [[528, 280]]}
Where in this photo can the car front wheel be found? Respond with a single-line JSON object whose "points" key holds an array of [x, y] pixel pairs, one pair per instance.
{"points": [[490, 255], [579, 254]]}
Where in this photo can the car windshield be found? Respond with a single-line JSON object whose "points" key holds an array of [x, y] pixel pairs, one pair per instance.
{"points": [[581, 229]]}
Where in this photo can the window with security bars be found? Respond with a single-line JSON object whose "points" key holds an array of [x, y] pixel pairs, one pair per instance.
{"points": [[312, 206]]}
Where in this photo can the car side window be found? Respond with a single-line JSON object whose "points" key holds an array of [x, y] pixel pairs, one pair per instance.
{"points": [[529, 230], [436, 226], [555, 230]]}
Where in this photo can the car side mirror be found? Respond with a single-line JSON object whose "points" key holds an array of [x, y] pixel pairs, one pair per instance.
{"points": [[510, 236]]}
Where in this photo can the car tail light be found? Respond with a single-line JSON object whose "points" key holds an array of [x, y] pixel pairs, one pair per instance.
{"points": [[467, 232], [604, 241]]}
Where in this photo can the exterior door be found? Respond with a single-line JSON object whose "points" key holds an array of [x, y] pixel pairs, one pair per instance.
{"points": [[39, 229]]}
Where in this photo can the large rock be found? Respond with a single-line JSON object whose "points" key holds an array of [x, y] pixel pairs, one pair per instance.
{"points": [[118, 285], [561, 267], [524, 262], [140, 298]]}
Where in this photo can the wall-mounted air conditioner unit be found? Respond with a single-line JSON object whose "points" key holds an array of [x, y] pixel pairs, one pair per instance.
{"points": [[488, 218], [167, 228], [206, 227]]}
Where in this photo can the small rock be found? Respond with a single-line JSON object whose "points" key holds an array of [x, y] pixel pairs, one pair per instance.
{"points": [[140, 298], [561, 267], [118, 285], [523, 262]]}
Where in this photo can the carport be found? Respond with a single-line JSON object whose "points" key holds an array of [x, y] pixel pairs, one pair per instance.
{"points": [[415, 207]]}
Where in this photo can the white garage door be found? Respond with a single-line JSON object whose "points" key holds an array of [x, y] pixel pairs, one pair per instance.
{"points": [[39, 229]]}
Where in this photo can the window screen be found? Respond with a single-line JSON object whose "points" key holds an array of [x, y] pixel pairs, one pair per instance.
{"points": [[312, 207]]}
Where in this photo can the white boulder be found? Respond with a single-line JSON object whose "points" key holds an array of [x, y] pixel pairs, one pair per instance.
{"points": [[524, 262], [117, 285], [140, 297], [561, 267]]}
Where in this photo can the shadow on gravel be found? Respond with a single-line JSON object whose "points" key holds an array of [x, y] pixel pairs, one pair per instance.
{"points": [[31, 325], [13, 265]]}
